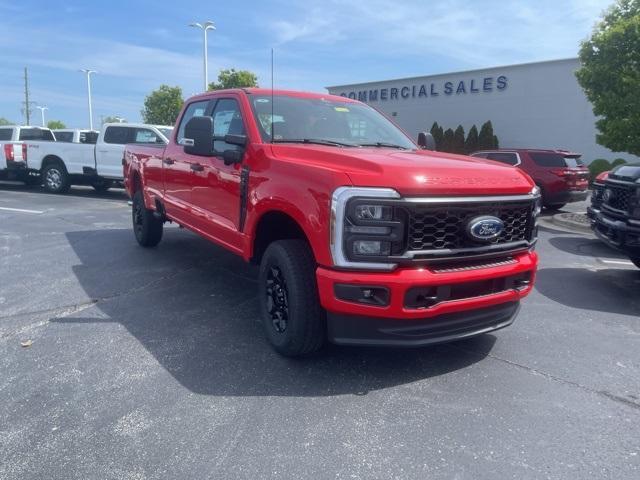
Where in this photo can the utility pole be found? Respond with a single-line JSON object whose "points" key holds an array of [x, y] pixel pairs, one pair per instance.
{"points": [[42, 109], [26, 96], [88, 73]]}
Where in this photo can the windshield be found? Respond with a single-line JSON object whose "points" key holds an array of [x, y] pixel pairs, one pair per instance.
{"points": [[166, 132], [325, 121]]}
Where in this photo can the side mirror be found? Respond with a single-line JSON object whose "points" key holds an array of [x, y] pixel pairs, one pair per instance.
{"points": [[232, 156], [198, 137], [426, 141]]}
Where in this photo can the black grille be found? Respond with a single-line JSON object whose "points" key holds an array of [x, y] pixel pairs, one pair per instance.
{"points": [[617, 197], [444, 227]]}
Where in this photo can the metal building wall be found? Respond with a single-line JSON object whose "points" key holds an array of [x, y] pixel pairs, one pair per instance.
{"points": [[537, 105]]}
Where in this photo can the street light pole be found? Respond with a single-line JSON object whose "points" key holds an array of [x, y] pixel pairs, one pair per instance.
{"points": [[208, 25], [42, 109], [88, 72]]}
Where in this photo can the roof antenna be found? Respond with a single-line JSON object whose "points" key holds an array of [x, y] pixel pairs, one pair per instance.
{"points": [[271, 94]]}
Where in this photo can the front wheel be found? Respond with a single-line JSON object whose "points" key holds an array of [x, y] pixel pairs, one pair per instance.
{"points": [[146, 227], [636, 261], [293, 319], [55, 178]]}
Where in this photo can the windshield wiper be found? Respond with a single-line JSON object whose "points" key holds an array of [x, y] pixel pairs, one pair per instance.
{"points": [[315, 141], [382, 144]]}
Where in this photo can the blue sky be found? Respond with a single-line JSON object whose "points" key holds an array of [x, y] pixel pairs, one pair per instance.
{"points": [[138, 45]]}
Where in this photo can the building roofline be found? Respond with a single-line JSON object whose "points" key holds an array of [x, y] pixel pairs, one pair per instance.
{"points": [[458, 72]]}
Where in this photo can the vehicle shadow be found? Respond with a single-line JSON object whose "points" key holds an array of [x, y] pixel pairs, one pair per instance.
{"points": [[81, 191], [193, 306], [599, 290], [587, 247]]}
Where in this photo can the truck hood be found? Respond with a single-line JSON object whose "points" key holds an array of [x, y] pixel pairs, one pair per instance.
{"points": [[627, 173], [412, 173]]}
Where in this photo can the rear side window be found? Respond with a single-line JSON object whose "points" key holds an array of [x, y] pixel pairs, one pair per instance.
{"points": [[504, 157], [36, 134], [195, 109], [479, 155], [5, 133], [64, 136], [548, 159], [144, 135], [117, 135], [573, 162], [89, 137]]}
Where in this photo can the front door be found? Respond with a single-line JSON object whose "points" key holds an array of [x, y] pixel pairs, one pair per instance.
{"points": [[216, 187]]}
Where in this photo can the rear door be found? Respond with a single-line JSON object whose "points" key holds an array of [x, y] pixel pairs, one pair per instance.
{"points": [[110, 150]]}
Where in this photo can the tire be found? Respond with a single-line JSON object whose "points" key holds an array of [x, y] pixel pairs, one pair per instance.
{"points": [[294, 321], [101, 185], [146, 227], [635, 261], [555, 206], [55, 178]]}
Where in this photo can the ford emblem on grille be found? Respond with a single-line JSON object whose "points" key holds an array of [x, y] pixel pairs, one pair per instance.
{"points": [[608, 195], [485, 228]]}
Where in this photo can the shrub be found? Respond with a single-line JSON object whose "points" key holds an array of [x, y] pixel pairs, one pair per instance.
{"points": [[598, 166], [618, 161]]}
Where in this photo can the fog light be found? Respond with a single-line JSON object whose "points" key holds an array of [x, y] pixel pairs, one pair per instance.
{"points": [[372, 295], [371, 247]]}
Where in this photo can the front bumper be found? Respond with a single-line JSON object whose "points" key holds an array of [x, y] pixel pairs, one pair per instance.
{"points": [[434, 323], [616, 233]]}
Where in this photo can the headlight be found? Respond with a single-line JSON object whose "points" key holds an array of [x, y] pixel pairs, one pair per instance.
{"points": [[362, 227], [537, 208]]}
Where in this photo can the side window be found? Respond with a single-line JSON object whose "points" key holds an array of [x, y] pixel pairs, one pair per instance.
{"points": [[6, 133], [88, 137], [227, 120], [117, 135], [504, 157], [144, 135], [479, 155], [195, 109]]}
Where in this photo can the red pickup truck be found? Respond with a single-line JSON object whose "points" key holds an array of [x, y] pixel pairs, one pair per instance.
{"points": [[362, 236]]}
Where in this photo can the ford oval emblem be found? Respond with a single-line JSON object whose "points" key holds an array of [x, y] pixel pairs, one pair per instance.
{"points": [[484, 229]]}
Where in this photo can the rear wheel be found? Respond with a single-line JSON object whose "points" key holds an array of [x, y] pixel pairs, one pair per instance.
{"points": [[101, 185], [146, 227], [55, 178], [294, 321], [636, 261]]}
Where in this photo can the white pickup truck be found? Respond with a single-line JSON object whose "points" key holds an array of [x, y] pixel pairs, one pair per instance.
{"points": [[58, 165]]}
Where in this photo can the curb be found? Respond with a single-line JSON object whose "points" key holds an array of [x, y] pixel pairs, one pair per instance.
{"points": [[561, 220]]}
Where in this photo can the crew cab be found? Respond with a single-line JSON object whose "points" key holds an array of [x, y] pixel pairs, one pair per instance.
{"points": [[76, 135], [362, 236], [615, 209], [58, 165], [560, 174]]}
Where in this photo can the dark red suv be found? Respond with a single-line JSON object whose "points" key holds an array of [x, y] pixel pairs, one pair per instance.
{"points": [[560, 174]]}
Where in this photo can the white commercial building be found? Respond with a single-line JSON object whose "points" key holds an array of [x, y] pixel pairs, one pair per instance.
{"points": [[533, 105]]}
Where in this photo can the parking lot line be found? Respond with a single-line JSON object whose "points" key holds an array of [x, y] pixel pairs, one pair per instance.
{"points": [[21, 210]]}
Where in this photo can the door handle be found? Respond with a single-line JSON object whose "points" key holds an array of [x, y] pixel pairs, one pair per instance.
{"points": [[168, 161], [196, 167]]}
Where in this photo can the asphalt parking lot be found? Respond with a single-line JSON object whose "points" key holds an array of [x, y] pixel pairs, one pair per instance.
{"points": [[150, 364]]}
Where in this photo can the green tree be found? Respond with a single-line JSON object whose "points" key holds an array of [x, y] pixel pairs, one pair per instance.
{"points": [[4, 121], [55, 124], [471, 143], [618, 161], [458, 140], [610, 76], [447, 141], [438, 134], [232, 78], [496, 143], [598, 166], [162, 106], [486, 138]]}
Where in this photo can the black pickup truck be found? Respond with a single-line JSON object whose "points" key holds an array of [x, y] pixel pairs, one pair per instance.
{"points": [[615, 210]]}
